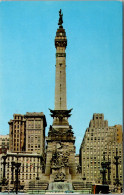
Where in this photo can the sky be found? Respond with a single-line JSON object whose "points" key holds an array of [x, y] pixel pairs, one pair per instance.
{"points": [[93, 59]]}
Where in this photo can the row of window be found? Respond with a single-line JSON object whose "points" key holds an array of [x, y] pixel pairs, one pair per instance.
{"points": [[32, 132], [4, 139], [34, 146], [36, 124], [35, 139], [16, 149], [22, 159]]}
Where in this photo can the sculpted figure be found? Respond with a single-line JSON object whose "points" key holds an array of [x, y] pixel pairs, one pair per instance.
{"points": [[60, 19]]}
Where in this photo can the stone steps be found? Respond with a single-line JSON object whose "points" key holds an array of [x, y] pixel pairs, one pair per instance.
{"points": [[78, 185], [40, 186]]}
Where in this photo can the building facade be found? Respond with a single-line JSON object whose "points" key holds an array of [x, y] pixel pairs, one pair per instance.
{"points": [[27, 149], [29, 169], [35, 132], [27, 133], [4, 144], [17, 133], [4, 147], [100, 140]]}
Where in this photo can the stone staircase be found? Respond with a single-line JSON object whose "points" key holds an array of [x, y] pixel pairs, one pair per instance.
{"points": [[38, 186], [78, 185]]}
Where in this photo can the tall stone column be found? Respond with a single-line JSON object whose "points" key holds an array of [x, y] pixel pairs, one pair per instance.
{"points": [[60, 83], [60, 158]]}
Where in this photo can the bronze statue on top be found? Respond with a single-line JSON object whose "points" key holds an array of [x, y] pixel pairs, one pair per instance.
{"points": [[60, 19]]}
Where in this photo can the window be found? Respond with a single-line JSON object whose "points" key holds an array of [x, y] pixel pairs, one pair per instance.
{"points": [[34, 167], [30, 124], [32, 139], [37, 124], [28, 138], [38, 138]]}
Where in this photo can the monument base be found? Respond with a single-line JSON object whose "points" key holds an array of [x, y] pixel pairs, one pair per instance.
{"points": [[60, 186]]}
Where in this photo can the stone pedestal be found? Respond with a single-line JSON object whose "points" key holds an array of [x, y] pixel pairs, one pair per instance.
{"points": [[60, 186], [60, 159]]}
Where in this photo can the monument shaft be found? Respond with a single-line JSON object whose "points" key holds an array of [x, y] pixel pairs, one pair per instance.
{"points": [[60, 85]]}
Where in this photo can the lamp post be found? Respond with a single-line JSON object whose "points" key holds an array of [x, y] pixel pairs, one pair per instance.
{"points": [[12, 169], [84, 180], [117, 182], [109, 170], [16, 166], [104, 186], [37, 170], [37, 178], [4, 170], [103, 171]]}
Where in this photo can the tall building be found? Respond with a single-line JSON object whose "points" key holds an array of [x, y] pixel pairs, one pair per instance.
{"points": [[17, 133], [27, 133], [35, 132], [99, 138]]}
